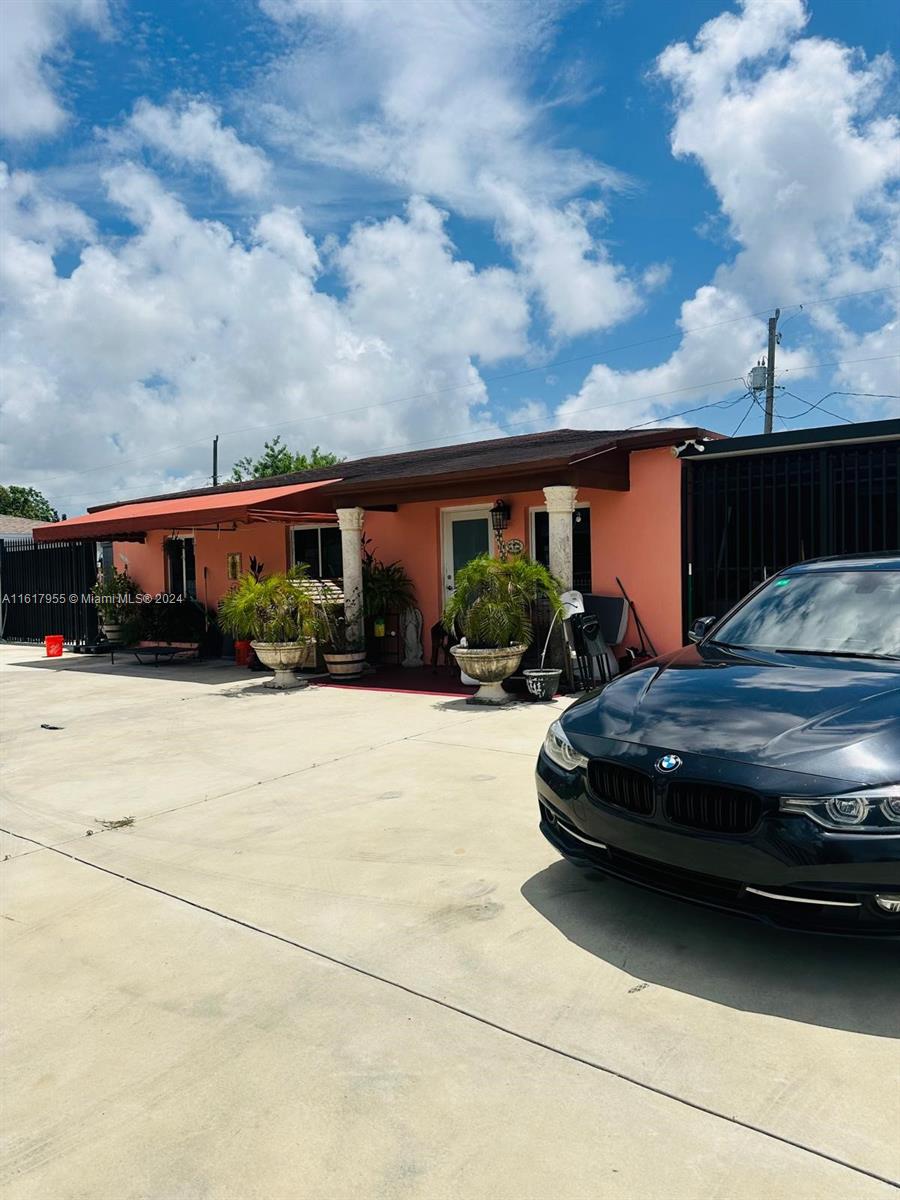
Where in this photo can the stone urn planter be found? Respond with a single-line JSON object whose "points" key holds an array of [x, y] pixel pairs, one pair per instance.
{"points": [[112, 631], [345, 666], [489, 668], [284, 658]]}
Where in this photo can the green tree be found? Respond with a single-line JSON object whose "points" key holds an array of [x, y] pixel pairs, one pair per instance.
{"points": [[277, 459], [28, 502]]}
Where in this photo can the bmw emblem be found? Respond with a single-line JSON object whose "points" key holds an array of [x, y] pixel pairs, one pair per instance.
{"points": [[668, 763]]}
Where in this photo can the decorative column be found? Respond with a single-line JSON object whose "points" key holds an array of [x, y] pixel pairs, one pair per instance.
{"points": [[350, 521], [560, 506]]}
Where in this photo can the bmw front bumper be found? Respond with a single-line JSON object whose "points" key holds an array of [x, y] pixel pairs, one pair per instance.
{"points": [[787, 871]]}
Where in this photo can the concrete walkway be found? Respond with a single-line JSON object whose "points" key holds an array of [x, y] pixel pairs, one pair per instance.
{"points": [[332, 957]]}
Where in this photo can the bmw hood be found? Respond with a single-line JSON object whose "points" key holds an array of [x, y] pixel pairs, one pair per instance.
{"points": [[831, 717]]}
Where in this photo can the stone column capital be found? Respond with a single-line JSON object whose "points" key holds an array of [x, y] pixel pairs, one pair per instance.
{"points": [[560, 498], [350, 520]]}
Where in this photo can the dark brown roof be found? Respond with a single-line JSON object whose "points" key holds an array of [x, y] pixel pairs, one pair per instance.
{"points": [[557, 446]]}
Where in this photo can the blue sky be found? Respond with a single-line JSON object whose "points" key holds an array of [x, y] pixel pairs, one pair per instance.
{"points": [[367, 224]]}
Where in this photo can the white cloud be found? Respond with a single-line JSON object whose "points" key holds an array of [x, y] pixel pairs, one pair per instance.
{"points": [[181, 330], [580, 287], [27, 212], [789, 133], [443, 302], [31, 32], [719, 342], [190, 131], [786, 130], [434, 99]]}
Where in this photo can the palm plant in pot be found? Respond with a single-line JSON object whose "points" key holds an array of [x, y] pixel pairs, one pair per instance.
{"points": [[387, 592], [490, 608], [279, 617], [343, 646]]}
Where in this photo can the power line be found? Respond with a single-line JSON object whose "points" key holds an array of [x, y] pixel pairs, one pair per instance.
{"points": [[754, 403], [809, 408], [547, 366], [612, 404]]}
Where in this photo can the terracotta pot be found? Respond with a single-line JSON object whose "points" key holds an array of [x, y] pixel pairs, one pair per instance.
{"points": [[490, 668], [345, 666], [242, 649], [283, 658]]}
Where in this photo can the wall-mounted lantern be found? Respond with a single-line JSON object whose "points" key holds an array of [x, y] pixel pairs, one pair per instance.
{"points": [[500, 515]]}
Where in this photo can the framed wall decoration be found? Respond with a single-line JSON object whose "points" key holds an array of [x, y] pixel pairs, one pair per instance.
{"points": [[233, 562]]}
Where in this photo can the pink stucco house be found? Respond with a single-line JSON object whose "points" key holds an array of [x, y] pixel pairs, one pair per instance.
{"points": [[592, 504]]}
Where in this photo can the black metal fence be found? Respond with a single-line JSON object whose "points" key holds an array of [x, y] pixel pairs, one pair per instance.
{"points": [[750, 515], [44, 589]]}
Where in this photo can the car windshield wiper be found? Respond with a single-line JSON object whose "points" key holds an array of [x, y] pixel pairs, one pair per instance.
{"points": [[837, 653]]}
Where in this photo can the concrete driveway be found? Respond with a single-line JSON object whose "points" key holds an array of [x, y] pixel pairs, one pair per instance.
{"points": [[332, 957]]}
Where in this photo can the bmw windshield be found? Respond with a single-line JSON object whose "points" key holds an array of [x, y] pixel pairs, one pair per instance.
{"points": [[844, 613]]}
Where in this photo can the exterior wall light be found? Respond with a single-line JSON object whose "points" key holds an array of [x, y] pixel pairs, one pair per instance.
{"points": [[500, 515]]}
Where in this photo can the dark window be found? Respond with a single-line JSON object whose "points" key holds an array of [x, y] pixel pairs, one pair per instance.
{"points": [[180, 567], [581, 546], [320, 549]]}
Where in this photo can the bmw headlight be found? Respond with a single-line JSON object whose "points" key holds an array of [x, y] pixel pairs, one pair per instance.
{"points": [[872, 811], [558, 747]]}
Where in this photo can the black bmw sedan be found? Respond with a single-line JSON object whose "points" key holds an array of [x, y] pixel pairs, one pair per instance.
{"points": [[757, 770]]}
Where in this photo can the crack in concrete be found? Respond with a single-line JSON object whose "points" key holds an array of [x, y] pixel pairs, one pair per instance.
{"points": [[472, 1016]]}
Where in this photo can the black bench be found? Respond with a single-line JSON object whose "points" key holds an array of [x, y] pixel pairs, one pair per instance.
{"points": [[146, 654]]}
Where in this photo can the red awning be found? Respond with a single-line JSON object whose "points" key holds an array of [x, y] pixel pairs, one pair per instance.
{"points": [[186, 512]]}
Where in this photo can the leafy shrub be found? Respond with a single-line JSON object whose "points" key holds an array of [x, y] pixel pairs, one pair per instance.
{"points": [[273, 609], [491, 604], [386, 586]]}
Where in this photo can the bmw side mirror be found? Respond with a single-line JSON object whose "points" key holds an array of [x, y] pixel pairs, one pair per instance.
{"points": [[701, 628]]}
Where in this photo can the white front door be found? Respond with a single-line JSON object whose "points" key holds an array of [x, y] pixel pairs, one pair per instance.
{"points": [[466, 534]]}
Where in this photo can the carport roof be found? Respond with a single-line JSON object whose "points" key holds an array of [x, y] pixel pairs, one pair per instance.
{"points": [[264, 504]]}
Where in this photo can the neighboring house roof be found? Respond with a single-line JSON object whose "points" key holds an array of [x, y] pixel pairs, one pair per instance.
{"points": [[11, 527], [476, 461]]}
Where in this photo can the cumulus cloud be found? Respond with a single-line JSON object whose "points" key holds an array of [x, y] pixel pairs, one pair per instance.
{"points": [[183, 329], [790, 133], [719, 339], [190, 131], [436, 102], [578, 284], [31, 32]]}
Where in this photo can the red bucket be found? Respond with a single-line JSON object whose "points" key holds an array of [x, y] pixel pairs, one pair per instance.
{"points": [[242, 653], [53, 644]]}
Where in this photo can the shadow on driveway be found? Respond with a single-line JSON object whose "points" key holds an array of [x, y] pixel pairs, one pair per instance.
{"points": [[838, 983], [212, 671]]}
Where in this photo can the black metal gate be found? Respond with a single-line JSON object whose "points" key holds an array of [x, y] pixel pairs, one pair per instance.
{"points": [[749, 515], [44, 589]]}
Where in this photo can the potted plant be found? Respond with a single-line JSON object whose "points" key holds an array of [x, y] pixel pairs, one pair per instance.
{"points": [[278, 615], [114, 596], [343, 649], [490, 609], [387, 590]]}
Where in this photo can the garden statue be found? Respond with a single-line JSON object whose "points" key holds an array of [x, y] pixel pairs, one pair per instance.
{"points": [[412, 638]]}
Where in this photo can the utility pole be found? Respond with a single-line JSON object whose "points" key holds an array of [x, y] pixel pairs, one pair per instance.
{"points": [[216, 461], [770, 371]]}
